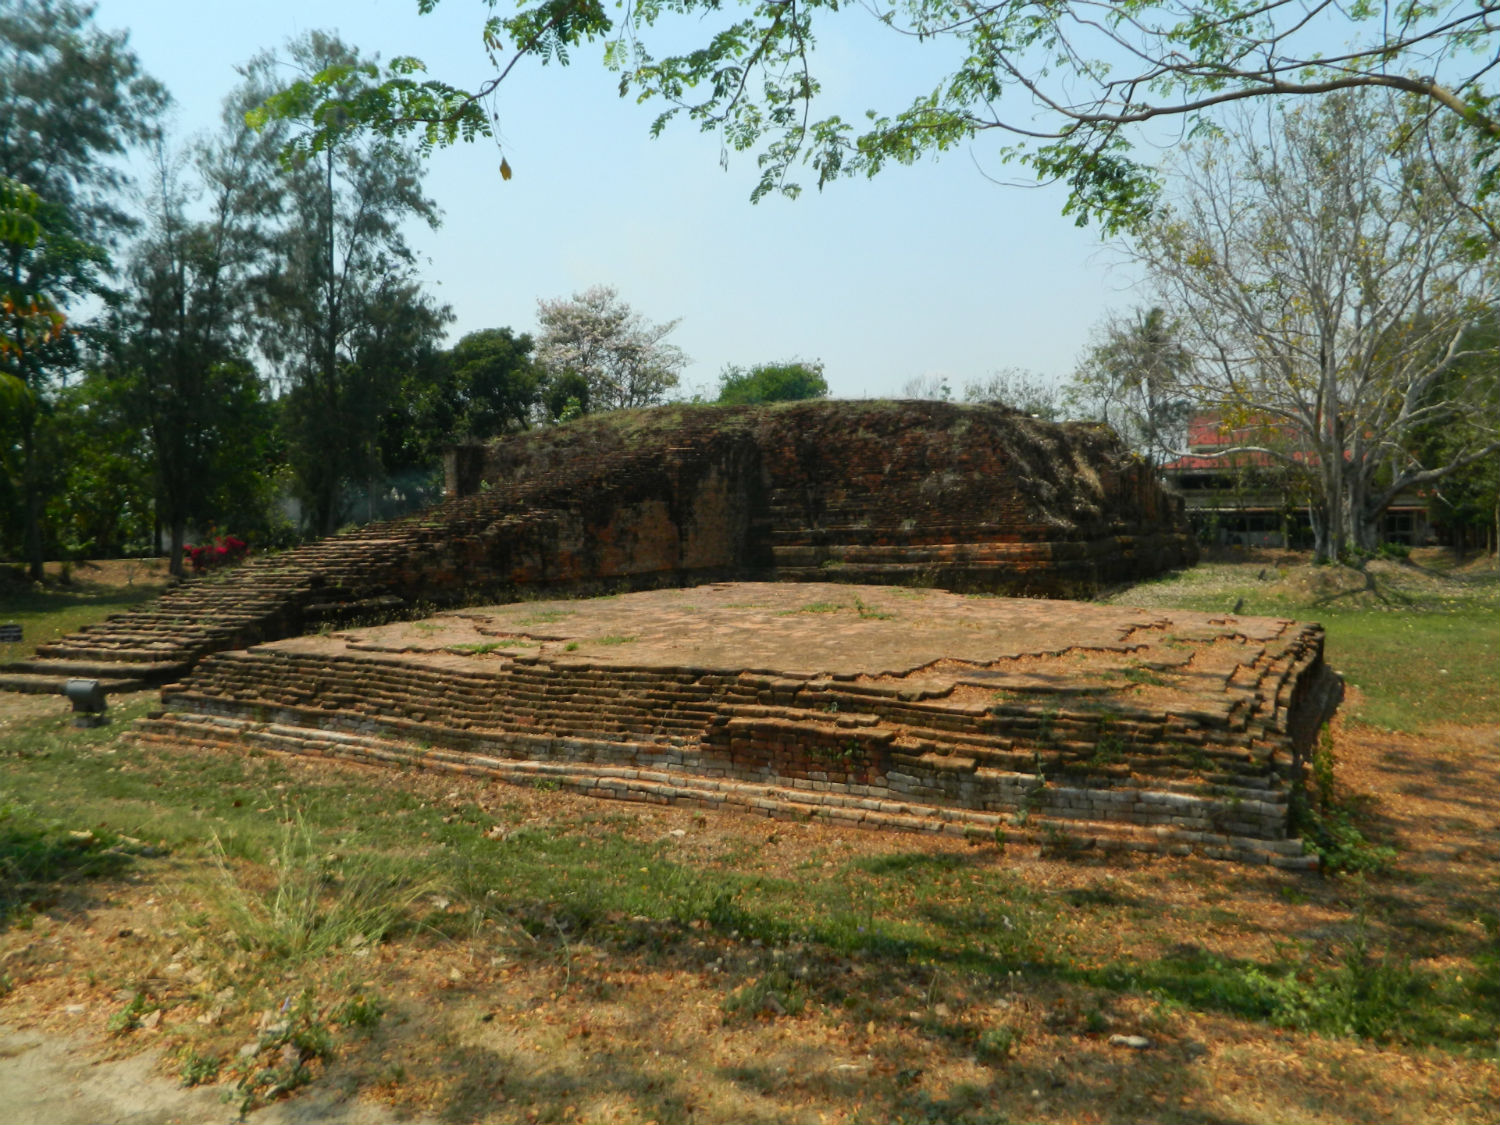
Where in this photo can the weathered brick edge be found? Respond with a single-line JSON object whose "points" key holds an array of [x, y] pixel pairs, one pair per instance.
{"points": [[1213, 780]]}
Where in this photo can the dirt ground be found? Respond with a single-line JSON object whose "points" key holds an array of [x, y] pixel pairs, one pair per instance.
{"points": [[471, 1030], [51, 1079]]}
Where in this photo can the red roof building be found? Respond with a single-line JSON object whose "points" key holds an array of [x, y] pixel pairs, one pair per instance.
{"points": [[1251, 498]]}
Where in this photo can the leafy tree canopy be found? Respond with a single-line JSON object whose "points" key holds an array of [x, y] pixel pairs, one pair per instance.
{"points": [[773, 382], [1063, 83]]}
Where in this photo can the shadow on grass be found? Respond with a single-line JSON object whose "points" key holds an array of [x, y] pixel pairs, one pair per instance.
{"points": [[51, 599], [39, 862]]}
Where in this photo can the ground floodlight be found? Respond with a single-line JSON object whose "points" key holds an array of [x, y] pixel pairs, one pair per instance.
{"points": [[87, 698]]}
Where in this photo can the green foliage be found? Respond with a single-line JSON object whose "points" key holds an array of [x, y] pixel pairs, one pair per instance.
{"points": [[105, 507], [1087, 76], [566, 396], [496, 387], [72, 99], [792, 381]]}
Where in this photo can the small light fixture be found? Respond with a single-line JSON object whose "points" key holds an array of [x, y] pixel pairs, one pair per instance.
{"points": [[87, 698]]}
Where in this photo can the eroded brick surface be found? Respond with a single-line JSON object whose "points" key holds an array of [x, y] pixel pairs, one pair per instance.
{"points": [[958, 497], [1097, 726]]}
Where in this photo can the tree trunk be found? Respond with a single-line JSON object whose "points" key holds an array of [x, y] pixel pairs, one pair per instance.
{"points": [[174, 558], [1317, 515], [31, 491]]}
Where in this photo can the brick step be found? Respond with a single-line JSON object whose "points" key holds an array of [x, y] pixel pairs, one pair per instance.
{"points": [[147, 674], [41, 683], [775, 798]]}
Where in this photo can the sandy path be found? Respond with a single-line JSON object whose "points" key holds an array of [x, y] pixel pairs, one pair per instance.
{"points": [[52, 1080]]}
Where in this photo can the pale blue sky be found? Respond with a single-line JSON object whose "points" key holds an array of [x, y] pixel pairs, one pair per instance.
{"points": [[926, 270]]}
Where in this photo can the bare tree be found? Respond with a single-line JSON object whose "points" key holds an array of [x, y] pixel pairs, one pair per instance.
{"points": [[1018, 389], [1330, 291], [1130, 379]]}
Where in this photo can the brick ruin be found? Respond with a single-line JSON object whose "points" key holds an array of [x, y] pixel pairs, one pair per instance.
{"points": [[848, 690], [1067, 725], [959, 497]]}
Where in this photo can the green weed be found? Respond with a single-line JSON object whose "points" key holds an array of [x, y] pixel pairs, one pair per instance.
{"points": [[285, 1054], [1327, 824], [319, 902], [359, 1011], [197, 1070], [129, 1018], [490, 646], [775, 993]]}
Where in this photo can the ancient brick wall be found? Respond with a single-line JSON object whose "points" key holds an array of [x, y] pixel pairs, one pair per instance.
{"points": [[964, 497], [1086, 726]]}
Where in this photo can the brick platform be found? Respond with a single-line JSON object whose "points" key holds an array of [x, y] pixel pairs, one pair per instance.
{"points": [[1062, 723], [935, 494]]}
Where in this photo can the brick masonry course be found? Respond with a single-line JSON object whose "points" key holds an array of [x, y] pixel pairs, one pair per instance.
{"points": [[1066, 724], [934, 494]]}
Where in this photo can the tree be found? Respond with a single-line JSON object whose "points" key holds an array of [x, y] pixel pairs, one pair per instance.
{"points": [[1064, 82], [72, 99], [791, 381], [565, 396], [623, 356], [342, 293], [495, 385], [1328, 288], [104, 506], [1130, 378], [1466, 503], [1020, 390], [180, 339]]}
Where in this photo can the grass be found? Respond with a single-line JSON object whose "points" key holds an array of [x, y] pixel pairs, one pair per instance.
{"points": [[1421, 650], [321, 900], [470, 951], [47, 612]]}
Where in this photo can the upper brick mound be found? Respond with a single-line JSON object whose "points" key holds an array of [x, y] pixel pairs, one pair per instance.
{"points": [[933, 494]]}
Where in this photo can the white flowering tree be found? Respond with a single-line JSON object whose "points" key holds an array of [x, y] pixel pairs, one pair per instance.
{"points": [[621, 356]]}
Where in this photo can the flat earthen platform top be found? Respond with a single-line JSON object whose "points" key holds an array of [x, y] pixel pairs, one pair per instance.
{"points": [[893, 707], [933, 640]]}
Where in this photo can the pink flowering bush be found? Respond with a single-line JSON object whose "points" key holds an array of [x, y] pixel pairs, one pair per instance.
{"points": [[223, 549]]}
